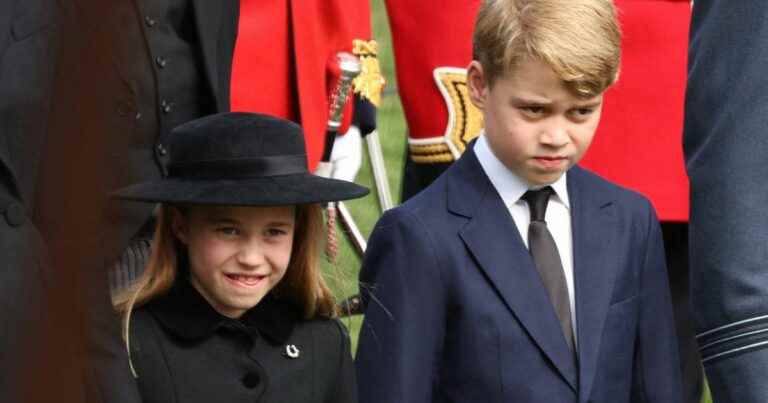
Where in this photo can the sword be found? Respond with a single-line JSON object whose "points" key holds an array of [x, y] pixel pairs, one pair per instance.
{"points": [[379, 170], [350, 67], [353, 305]]}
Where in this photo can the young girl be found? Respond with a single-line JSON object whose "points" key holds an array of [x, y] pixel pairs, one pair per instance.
{"points": [[232, 307]]}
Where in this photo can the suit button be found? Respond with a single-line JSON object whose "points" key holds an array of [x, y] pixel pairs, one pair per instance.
{"points": [[161, 150], [150, 21], [161, 61], [165, 106], [251, 380], [14, 214]]}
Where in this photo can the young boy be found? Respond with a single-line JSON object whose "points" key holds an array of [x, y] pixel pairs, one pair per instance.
{"points": [[517, 276]]}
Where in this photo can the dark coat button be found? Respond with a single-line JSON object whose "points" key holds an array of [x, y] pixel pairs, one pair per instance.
{"points": [[161, 61], [14, 214], [150, 21], [165, 106], [124, 108], [251, 380]]}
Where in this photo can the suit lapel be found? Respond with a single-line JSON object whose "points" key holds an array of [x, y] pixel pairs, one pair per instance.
{"points": [[494, 241], [593, 226], [208, 20]]}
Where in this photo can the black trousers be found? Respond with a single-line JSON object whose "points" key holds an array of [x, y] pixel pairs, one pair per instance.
{"points": [[676, 247]]}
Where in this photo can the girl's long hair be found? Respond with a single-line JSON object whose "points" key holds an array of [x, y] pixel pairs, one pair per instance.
{"points": [[303, 285]]}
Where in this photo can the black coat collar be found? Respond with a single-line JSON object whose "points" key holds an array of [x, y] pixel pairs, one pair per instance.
{"points": [[187, 315]]}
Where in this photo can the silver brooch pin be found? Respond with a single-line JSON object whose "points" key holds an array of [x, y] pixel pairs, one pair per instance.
{"points": [[291, 351]]}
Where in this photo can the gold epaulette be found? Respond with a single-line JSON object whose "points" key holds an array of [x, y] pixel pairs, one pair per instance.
{"points": [[430, 153], [465, 120], [369, 83]]}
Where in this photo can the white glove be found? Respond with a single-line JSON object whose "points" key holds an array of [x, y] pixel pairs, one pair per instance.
{"points": [[347, 155]]}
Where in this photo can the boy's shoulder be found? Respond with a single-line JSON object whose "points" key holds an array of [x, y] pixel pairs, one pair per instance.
{"points": [[429, 204], [583, 180], [428, 208], [594, 187], [464, 178]]}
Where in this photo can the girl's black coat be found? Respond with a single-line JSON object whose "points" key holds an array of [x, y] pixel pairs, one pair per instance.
{"points": [[183, 351]]}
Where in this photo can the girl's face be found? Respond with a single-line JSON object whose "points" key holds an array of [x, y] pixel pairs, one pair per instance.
{"points": [[236, 254]]}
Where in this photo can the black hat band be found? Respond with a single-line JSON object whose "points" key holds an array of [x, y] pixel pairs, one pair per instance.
{"points": [[240, 168]]}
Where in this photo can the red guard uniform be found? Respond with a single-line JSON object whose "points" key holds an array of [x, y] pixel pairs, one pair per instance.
{"points": [[283, 60], [639, 141], [433, 46]]}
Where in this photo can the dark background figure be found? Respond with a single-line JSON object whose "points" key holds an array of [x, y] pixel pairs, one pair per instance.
{"points": [[26, 28], [726, 149], [146, 66], [127, 72]]}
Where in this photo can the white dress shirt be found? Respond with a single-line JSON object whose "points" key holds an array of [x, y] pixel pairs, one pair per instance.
{"points": [[558, 216]]}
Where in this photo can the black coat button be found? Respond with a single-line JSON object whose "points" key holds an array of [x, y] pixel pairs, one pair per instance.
{"points": [[14, 214], [150, 21], [251, 380], [161, 61]]}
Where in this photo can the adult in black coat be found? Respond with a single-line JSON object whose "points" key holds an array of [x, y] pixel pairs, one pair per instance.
{"points": [[25, 75], [127, 71]]}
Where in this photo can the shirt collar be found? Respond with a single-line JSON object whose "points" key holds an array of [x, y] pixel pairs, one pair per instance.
{"points": [[188, 315], [510, 186]]}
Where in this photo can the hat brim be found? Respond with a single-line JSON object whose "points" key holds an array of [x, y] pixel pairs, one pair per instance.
{"points": [[262, 191]]}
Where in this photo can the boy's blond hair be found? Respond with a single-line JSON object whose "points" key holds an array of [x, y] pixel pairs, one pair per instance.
{"points": [[578, 39]]}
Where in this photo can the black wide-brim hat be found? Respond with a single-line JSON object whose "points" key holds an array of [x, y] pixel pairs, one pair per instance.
{"points": [[238, 158]]}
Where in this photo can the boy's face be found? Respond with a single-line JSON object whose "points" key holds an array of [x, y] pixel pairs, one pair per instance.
{"points": [[533, 123], [236, 254]]}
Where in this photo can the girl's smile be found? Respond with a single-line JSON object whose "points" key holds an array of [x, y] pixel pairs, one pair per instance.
{"points": [[245, 280], [237, 255]]}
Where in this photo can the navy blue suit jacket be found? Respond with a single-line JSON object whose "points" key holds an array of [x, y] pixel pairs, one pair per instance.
{"points": [[456, 311]]}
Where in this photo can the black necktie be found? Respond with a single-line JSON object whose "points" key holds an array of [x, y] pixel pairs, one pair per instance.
{"points": [[547, 259]]}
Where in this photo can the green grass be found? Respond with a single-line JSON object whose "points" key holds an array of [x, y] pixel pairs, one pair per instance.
{"points": [[706, 397]]}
